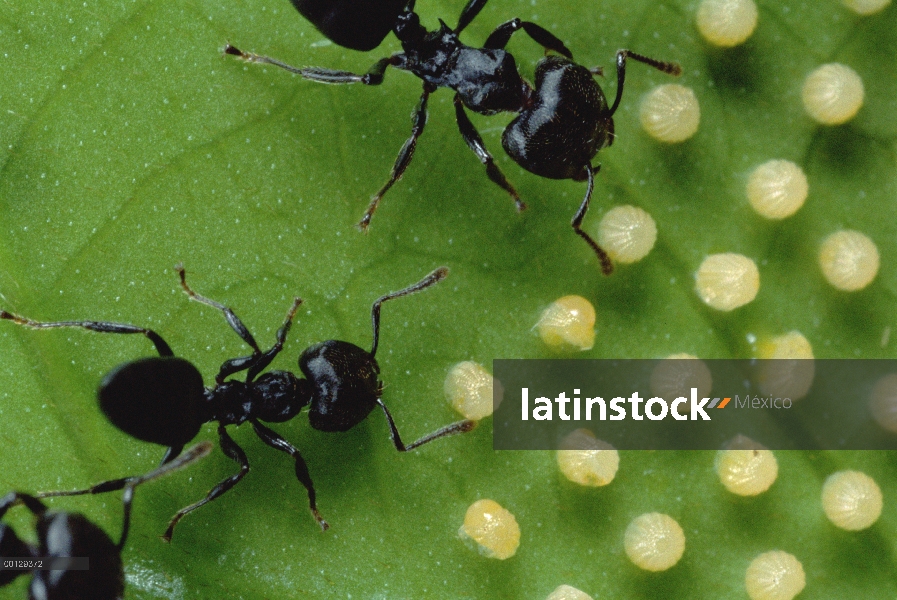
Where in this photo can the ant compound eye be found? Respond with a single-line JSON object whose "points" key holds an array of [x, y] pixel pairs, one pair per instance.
{"points": [[568, 321], [777, 189], [727, 23], [851, 500], [727, 281], [654, 542], [849, 260], [493, 528], [833, 94], [774, 575], [670, 113]]}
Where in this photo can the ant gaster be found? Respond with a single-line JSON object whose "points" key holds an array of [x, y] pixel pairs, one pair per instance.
{"points": [[162, 399], [62, 535], [561, 125]]}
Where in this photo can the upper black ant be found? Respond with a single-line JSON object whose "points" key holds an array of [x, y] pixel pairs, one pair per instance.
{"points": [[561, 125], [62, 535], [162, 399]]}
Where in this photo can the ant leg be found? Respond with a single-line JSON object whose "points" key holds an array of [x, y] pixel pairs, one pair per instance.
{"points": [[172, 456], [161, 345], [606, 267], [192, 455], [476, 145], [171, 453], [667, 67], [374, 76], [270, 437], [455, 428], [232, 451], [31, 503], [431, 279], [233, 320], [499, 38], [418, 121], [10, 544], [100, 488], [281, 337], [234, 365], [469, 13], [257, 360]]}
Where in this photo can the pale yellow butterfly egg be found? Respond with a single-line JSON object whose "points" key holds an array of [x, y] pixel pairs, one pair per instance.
{"points": [[777, 189], [654, 541], [727, 281], [883, 402], [568, 592], [833, 94], [788, 369], [627, 233], [727, 23], [866, 7], [675, 375], [747, 472], [851, 500], [469, 389], [588, 461], [774, 575], [568, 321], [670, 113], [493, 528], [849, 260]]}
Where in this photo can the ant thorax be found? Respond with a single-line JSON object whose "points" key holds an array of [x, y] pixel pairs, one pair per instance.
{"points": [[274, 397]]}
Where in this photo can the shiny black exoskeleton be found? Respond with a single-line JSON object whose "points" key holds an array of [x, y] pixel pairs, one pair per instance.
{"points": [[63, 535], [563, 122], [162, 399]]}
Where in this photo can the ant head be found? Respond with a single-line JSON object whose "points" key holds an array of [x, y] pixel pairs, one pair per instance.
{"points": [[344, 382], [278, 396], [158, 400], [566, 124]]}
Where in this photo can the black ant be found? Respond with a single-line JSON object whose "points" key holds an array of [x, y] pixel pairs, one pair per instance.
{"points": [[162, 399], [63, 536], [561, 125]]}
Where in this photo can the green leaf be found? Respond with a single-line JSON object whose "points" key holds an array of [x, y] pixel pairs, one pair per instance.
{"points": [[129, 143]]}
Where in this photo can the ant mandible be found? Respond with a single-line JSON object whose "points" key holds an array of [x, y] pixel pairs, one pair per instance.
{"points": [[561, 124], [63, 535], [162, 399]]}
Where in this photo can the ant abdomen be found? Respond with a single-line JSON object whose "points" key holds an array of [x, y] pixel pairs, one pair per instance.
{"points": [[156, 399]]}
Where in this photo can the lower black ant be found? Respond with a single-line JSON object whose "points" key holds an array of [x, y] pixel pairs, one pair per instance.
{"points": [[561, 125], [162, 399], [64, 535]]}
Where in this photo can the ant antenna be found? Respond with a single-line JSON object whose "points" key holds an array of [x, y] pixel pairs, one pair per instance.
{"points": [[431, 279]]}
